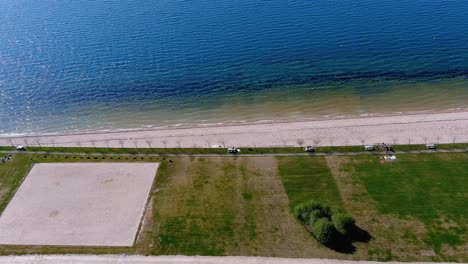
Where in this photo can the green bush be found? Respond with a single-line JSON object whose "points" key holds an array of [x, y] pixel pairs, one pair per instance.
{"points": [[314, 216], [323, 230], [325, 224], [303, 211], [343, 222], [320, 212]]}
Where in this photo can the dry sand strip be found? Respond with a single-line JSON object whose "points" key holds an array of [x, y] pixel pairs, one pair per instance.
{"points": [[126, 259], [401, 129]]}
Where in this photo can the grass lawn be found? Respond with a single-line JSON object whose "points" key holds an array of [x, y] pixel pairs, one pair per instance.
{"points": [[306, 178], [197, 206], [431, 188], [11, 176], [414, 208], [228, 206]]}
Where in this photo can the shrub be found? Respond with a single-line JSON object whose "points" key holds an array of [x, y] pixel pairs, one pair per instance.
{"points": [[320, 212], [314, 216], [301, 211], [343, 222], [325, 224], [323, 230], [304, 210]]}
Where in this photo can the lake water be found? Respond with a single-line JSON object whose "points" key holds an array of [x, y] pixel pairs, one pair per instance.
{"points": [[82, 65]]}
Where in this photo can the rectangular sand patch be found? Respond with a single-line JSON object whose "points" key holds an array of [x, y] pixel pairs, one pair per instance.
{"points": [[78, 204]]}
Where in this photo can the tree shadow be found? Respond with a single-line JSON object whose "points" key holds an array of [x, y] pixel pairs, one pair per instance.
{"points": [[345, 243], [360, 235]]}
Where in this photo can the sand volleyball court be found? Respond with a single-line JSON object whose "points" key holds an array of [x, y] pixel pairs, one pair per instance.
{"points": [[78, 204]]}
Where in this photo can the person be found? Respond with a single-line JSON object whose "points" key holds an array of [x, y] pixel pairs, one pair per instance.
{"points": [[384, 146], [387, 148]]}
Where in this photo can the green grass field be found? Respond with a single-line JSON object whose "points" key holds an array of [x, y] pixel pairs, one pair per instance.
{"points": [[431, 188], [414, 208], [308, 179], [227, 206]]}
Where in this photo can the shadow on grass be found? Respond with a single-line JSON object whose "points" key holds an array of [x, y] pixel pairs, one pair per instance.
{"points": [[345, 244]]}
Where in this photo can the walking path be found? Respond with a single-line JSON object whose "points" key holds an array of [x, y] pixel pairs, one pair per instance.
{"points": [[242, 155], [134, 259]]}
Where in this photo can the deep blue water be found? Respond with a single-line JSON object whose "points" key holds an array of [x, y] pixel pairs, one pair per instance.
{"points": [[87, 65]]}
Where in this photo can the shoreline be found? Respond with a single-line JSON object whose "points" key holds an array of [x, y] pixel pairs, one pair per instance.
{"points": [[408, 128]]}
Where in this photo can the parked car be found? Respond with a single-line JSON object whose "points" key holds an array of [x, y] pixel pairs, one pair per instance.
{"points": [[309, 149], [233, 150]]}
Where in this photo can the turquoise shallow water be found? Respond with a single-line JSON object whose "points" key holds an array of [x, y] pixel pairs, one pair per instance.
{"points": [[93, 65]]}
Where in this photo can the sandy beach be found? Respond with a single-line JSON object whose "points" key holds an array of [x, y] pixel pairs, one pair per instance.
{"points": [[417, 128]]}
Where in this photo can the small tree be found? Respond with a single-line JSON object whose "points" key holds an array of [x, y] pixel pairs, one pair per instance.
{"points": [[149, 141], [122, 142], [300, 142], [165, 143], [325, 224], [11, 142], [316, 141], [284, 143], [312, 211], [38, 142], [319, 213], [362, 140], [93, 142], [302, 213], [222, 142], [323, 230], [107, 144], [343, 222], [52, 141]]}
